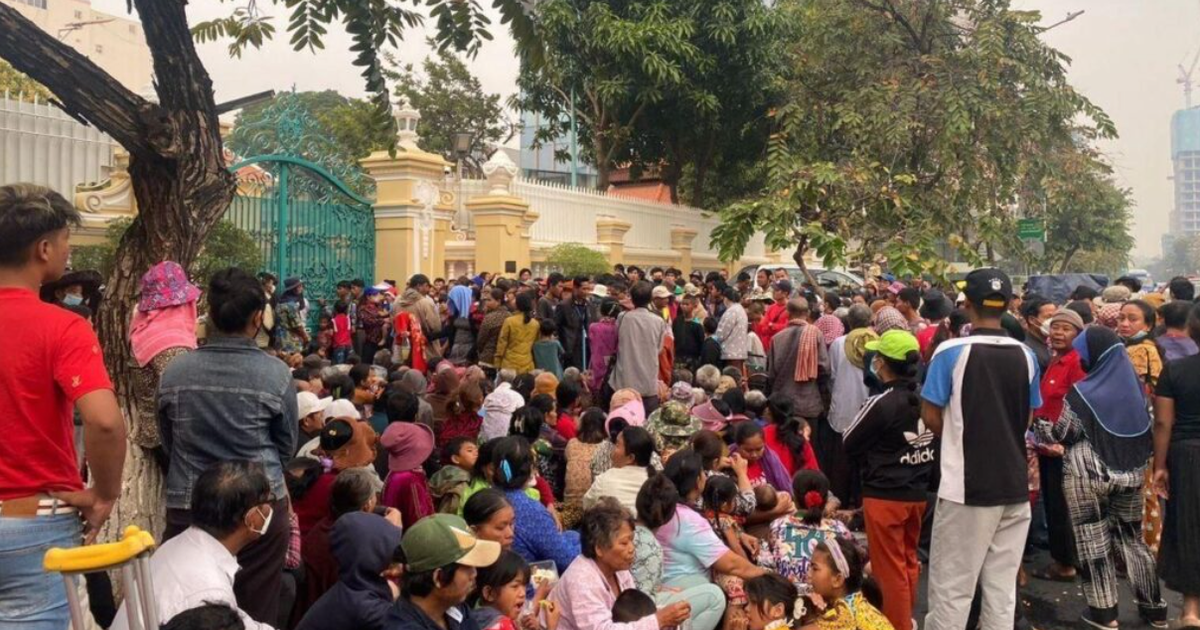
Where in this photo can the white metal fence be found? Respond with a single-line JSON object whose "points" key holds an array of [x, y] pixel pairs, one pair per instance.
{"points": [[568, 215], [41, 144]]}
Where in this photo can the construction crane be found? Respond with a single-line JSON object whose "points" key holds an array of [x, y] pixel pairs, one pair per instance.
{"points": [[1185, 79]]}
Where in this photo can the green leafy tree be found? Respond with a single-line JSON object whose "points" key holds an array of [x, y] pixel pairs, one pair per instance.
{"points": [[1086, 214], [707, 133], [227, 246], [907, 127], [574, 259], [18, 85], [609, 62], [451, 100], [177, 162]]}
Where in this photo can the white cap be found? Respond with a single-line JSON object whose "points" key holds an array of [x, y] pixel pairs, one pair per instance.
{"points": [[308, 403], [600, 291], [343, 409]]}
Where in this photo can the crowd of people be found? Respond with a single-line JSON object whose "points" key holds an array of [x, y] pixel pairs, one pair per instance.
{"points": [[624, 451]]}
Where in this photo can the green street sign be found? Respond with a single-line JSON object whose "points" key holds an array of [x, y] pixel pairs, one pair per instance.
{"points": [[1031, 229]]}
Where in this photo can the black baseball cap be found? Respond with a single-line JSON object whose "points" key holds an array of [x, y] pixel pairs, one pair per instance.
{"points": [[988, 287]]}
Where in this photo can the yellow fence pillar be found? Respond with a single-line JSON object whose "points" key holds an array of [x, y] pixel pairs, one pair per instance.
{"points": [[681, 243], [610, 233], [412, 213], [502, 221]]}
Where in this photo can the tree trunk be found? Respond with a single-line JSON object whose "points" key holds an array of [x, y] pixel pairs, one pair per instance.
{"points": [[1066, 261], [179, 179], [798, 257], [699, 198]]}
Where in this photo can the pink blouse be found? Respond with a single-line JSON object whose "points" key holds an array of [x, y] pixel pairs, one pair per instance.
{"points": [[586, 602]]}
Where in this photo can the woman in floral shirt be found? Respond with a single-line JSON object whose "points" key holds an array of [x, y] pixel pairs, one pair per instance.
{"points": [[788, 550]]}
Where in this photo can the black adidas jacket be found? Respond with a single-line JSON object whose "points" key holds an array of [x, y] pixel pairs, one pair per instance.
{"points": [[890, 443]]}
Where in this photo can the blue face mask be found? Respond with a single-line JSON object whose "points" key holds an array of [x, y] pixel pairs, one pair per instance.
{"points": [[71, 299]]}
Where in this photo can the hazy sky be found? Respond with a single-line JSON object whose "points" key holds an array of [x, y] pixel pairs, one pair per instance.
{"points": [[1124, 57]]}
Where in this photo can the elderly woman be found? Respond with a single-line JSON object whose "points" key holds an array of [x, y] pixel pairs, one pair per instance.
{"points": [[164, 327], [690, 547], [1063, 372], [588, 589], [537, 536], [1177, 475], [708, 378], [415, 383], [498, 407], [1105, 429]]}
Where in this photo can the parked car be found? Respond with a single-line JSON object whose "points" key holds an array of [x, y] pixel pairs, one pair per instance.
{"points": [[827, 278]]}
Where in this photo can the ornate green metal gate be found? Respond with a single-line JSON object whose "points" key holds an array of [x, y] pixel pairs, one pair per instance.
{"points": [[307, 221], [319, 236]]}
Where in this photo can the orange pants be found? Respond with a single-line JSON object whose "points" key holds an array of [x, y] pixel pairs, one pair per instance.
{"points": [[893, 530]]}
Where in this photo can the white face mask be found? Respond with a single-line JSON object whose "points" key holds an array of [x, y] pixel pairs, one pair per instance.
{"points": [[266, 522]]}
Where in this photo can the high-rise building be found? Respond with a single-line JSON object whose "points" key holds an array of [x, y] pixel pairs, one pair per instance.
{"points": [[543, 163], [116, 44], [1185, 157]]}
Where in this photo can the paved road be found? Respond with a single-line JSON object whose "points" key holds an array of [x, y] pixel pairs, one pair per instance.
{"points": [[1057, 606]]}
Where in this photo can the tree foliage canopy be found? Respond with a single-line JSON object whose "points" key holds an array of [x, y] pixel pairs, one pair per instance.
{"points": [[574, 259], [907, 126], [18, 85], [609, 61], [451, 100], [226, 246], [373, 25]]}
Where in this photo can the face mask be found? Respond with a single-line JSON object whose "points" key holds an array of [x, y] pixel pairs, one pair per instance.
{"points": [[1046, 328], [874, 372], [71, 299], [1137, 337], [266, 522]]}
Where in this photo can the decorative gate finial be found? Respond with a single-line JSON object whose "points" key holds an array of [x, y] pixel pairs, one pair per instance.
{"points": [[407, 118]]}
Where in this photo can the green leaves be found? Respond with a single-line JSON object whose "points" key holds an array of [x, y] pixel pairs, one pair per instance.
{"points": [[574, 259], [910, 129], [373, 25]]}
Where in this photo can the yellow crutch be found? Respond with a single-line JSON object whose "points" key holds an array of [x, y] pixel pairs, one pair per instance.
{"points": [[131, 555]]}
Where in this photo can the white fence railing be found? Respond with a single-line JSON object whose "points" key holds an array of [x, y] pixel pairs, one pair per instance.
{"points": [[41, 144], [568, 215]]}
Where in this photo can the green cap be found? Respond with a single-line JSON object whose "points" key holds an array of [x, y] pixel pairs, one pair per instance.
{"points": [[895, 344], [441, 539]]}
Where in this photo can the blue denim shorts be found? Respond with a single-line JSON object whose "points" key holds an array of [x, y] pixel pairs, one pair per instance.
{"points": [[31, 598]]}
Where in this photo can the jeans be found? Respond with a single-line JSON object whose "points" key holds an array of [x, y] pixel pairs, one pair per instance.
{"points": [[31, 598], [341, 354], [706, 599]]}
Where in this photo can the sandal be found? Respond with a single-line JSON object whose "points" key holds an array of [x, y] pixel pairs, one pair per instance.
{"points": [[1045, 573]]}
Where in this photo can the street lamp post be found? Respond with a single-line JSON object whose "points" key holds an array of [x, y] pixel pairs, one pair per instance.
{"points": [[462, 148]]}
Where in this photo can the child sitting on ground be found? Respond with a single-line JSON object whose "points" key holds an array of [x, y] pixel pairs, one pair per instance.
{"points": [[462, 415], [449, 484], [633, 605], [773, 603], [499, 594], [844, 595]]}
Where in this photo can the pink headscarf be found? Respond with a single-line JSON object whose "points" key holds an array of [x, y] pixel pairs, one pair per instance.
{"points": [[632, 412], [622, 396], [154, 331]]}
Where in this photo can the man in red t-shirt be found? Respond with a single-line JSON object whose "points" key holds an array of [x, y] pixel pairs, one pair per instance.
{"points": [[52, 366], [776, 318]]}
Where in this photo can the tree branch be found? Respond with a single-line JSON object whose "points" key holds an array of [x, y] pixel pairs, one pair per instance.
{"points": [[84, 90], [889, 9]]}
